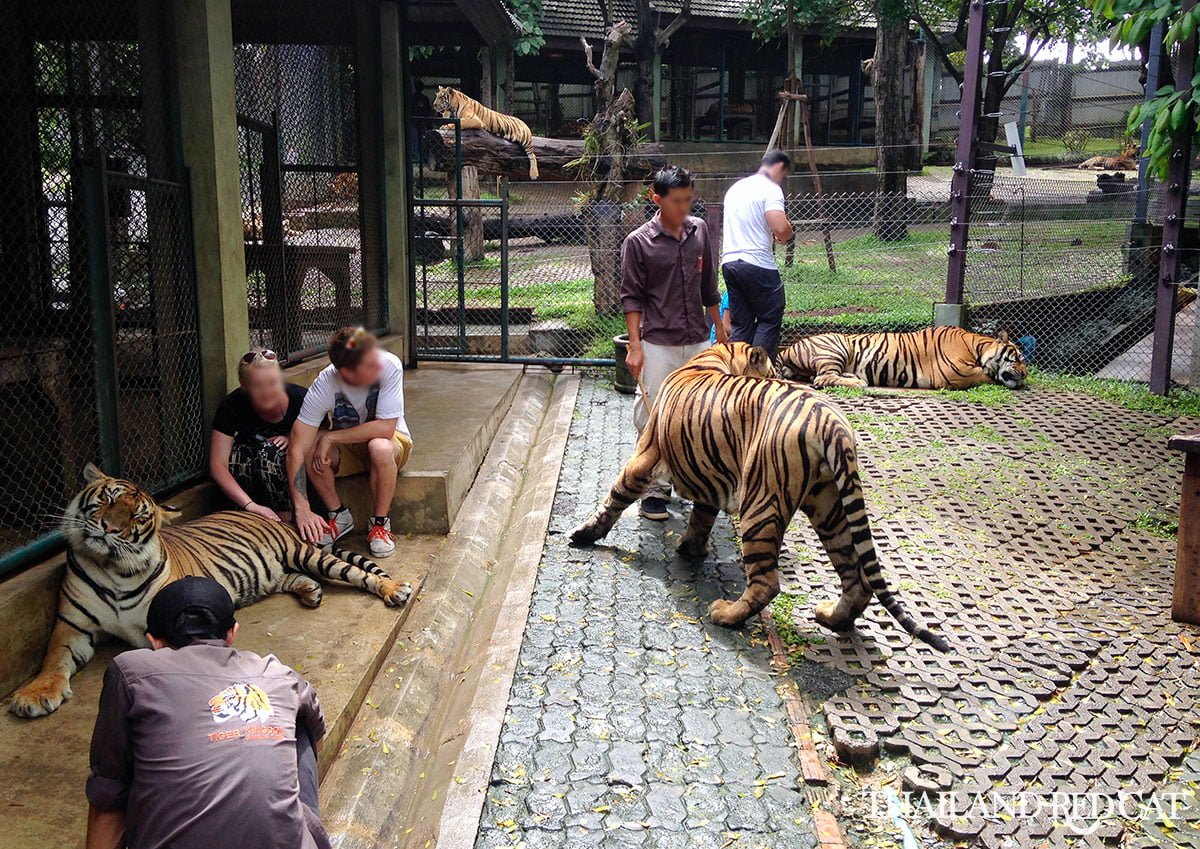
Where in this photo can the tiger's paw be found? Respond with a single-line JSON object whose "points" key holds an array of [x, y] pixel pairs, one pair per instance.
{"points": [[692, 548], [824, 613], [587, 533], [729, 614], [395, 593], [39, 699]]}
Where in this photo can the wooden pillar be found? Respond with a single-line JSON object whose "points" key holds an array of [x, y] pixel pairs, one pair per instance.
{"points": [[1185, 603], [368, 106], [394, 91], [656, 96], [208, 119]]}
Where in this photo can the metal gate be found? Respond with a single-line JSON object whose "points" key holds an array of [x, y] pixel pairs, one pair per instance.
{"points": [[468, 306]]}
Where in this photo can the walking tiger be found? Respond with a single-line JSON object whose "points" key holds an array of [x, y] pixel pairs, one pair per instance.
{"points": [[473, 115], [119, 555], [730, 439]]}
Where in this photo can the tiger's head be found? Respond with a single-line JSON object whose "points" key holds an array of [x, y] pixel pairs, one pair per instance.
{"points": [[1002, 361], [247, 702], [737, 358], [443, 101], [115, 522]]}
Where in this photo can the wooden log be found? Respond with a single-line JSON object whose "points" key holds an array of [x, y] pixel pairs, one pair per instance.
{"points": [[495, 156], [1185, 603]]}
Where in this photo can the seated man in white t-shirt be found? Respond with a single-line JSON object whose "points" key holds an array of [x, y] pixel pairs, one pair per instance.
{"points": [[360, 397]]}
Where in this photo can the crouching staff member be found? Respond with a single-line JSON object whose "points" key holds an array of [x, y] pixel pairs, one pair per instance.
{"points": [[200, 745], [668, 283], [361, 393], [247, 454]]}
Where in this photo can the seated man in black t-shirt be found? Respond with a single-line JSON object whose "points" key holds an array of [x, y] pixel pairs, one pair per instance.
{"points": [[248, 451]]}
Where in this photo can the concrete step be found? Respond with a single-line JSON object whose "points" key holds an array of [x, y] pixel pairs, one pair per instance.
{"points": [[453, 411]]}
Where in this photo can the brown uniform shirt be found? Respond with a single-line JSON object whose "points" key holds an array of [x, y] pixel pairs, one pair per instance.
{"points": [[198, 747], [669, 281]]}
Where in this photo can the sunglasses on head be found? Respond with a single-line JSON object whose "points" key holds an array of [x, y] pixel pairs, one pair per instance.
{"points": [[252, 356], [356, 338]]}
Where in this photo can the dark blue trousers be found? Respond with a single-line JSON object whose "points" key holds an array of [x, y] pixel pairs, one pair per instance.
{"points": [[756, 302]]}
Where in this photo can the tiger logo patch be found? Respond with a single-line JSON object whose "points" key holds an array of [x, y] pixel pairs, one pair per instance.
{"points": [[247, 702]]}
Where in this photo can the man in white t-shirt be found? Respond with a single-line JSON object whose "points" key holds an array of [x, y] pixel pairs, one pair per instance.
{"points": [[360, 397], [754, 219]]}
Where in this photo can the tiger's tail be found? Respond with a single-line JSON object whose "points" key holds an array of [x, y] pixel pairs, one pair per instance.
{"points": [[533, 169], [850, 486]]}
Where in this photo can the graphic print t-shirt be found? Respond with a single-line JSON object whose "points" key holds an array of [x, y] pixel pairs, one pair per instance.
{"points": [[330, 396]]}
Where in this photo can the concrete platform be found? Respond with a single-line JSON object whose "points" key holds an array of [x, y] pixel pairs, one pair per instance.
{"points": [[453, 412]]}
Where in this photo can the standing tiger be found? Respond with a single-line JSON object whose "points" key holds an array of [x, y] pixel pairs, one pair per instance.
{"points": [[933, 358], [730, 439], [473, 115], [119, 555]]}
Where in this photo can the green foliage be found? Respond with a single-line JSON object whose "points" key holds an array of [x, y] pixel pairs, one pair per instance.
{"points": [[531, 39], [1132, 396], [1169, 112], [770, 17], [1076, 139], [1156, 524]]}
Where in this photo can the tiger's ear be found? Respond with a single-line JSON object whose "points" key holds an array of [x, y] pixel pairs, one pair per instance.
{"points": [[92, 473], [760, 360], [1002, 336], [168, 513]]}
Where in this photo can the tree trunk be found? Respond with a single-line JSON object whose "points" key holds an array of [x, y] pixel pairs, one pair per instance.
{"points": [[891, 126], [472, 218], [916, 111]]}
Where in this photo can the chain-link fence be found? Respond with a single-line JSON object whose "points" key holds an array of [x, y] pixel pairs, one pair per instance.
{"points": [[1069, 112], [98, 347], [312, 243], [1062, 261]]}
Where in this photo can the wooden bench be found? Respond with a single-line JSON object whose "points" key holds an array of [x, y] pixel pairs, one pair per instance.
{"points": [[1185, 604]]}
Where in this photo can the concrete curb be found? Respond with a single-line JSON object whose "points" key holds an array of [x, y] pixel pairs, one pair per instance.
{"points": [[388, 785], [465, 795]]}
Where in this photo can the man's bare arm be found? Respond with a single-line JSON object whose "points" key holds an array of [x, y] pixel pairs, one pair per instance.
{"points": [[105, 829], [376, 429], [303, 438], [781, 227]]}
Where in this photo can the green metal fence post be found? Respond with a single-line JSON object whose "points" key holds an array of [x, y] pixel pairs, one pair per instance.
{"points": [[504, 269]]}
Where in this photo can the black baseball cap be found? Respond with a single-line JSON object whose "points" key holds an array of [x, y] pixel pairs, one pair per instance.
{"points": [[189, 608]]}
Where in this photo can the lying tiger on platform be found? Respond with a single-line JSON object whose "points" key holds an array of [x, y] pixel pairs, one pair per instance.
{"points": [[731, 440], [119, 555], [933, 358], [473, 115]]}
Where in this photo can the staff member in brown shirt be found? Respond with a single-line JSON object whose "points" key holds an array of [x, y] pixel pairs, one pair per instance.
{"points": [[200, 745], [668, 284]]}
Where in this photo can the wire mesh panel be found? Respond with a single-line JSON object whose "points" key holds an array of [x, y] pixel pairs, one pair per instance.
{"points": [[84, 93], [1064, 266], [155, 336], [307, 232]]}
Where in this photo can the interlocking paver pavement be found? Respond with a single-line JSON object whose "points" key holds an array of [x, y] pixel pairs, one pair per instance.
{"points": [[633, 721], [1028, 530]]}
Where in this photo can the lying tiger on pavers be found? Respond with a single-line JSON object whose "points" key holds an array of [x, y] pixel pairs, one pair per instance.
{"points": [[120, 554], [933, 358], [730, 438]]}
